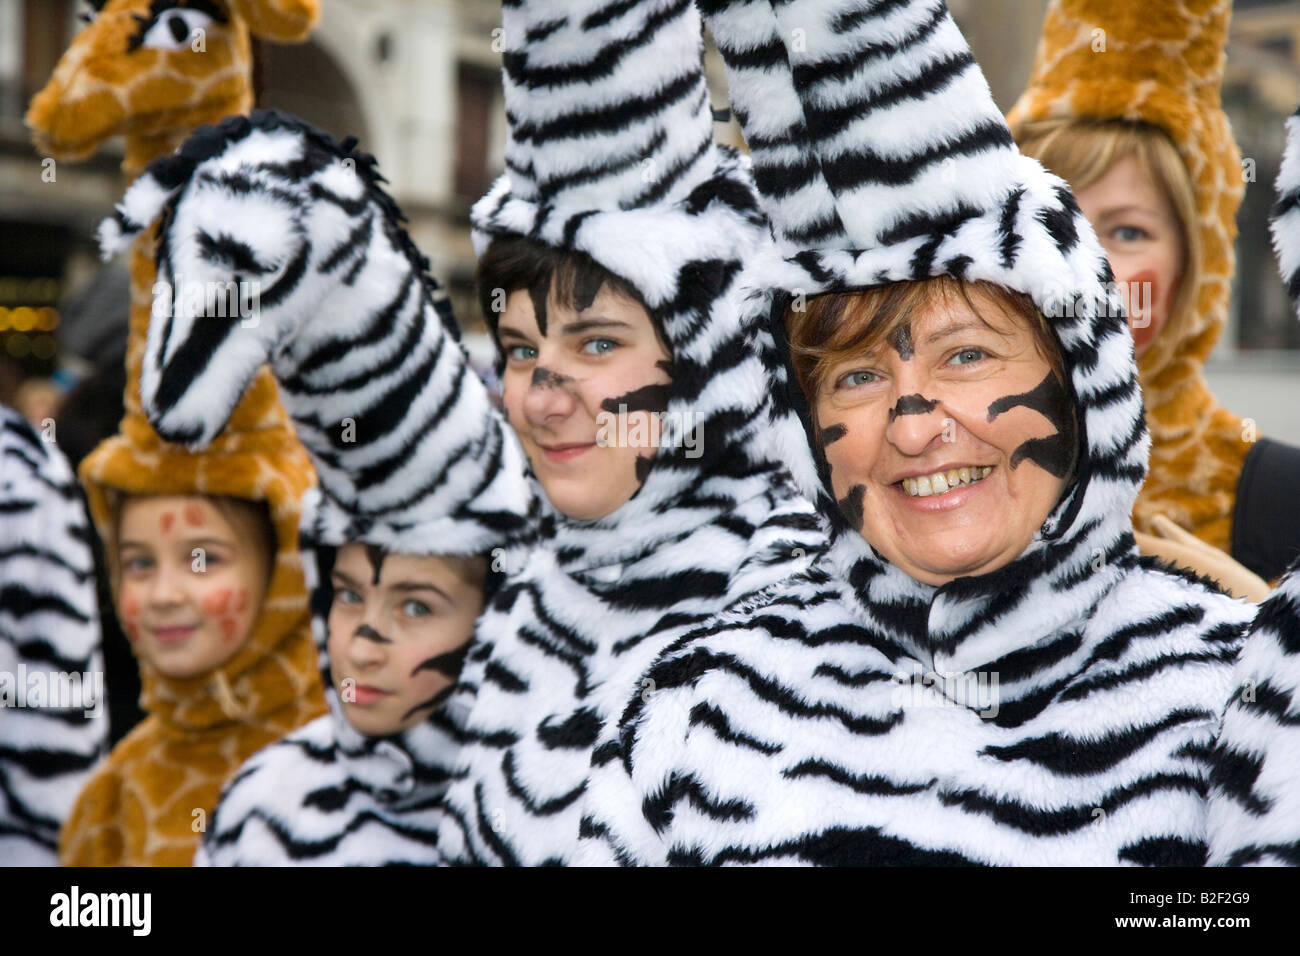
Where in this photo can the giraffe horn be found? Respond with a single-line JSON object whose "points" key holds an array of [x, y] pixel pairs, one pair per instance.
{"points": [[280, 21]]}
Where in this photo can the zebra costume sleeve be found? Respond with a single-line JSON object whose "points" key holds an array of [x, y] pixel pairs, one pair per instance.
{"points": [[55, 725], [1059, 710], [279, 244]]}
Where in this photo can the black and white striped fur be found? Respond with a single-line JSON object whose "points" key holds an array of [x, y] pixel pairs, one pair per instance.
{"points": [[49, 626], [1285, 222], [1255, 810], [361, 339], [593, 91], [807, 725]]}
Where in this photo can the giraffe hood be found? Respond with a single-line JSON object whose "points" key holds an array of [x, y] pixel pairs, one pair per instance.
{"points": [[611, 153], [1163, 65], [904, 169]]}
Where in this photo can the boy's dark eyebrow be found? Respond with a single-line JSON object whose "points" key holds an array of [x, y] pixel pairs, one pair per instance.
{"points": [[508, 330], [584, 325], [419, 586], [345, 578]]}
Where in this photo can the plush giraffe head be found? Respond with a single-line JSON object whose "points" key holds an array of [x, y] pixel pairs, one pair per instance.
{"points": [[153, 70]]}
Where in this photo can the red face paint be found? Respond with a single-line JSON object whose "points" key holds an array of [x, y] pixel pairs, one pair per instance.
{"points": [[194, 516], [167, 520], [228, 625], [217, 602], [1145, 302], [132, 631], [241, 600]]}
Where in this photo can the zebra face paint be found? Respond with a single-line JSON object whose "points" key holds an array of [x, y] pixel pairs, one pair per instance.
{"points": [[1143, 238], [948, 455], [191, 581], [397, 642], [586, 393]]}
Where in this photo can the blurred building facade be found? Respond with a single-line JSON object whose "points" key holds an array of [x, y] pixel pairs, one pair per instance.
{"points": [[418, 82]]}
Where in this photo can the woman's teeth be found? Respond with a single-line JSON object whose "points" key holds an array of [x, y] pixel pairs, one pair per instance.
{"points": [[944, 481]]}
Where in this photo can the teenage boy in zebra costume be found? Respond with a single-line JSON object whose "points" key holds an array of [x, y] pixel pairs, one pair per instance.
{"points": [[630, 379], [971, 404]]}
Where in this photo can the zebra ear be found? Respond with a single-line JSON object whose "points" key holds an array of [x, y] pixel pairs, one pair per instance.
{"points": [[143, 203]]}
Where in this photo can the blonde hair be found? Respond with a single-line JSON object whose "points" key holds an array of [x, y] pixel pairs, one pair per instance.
{"points": [[1083, 151]]}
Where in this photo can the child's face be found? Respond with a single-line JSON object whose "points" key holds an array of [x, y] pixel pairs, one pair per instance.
{"points": [[399, 628], [192, 582]]}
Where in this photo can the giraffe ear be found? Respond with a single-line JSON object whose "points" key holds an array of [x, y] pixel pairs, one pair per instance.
{"points": [[280, 21]]}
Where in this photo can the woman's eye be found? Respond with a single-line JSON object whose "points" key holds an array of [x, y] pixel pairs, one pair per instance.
{"points": [[599, 346], [1130, 233], [854, 379], [521, 353], [967, 356], [415, 608], [136, 564]]}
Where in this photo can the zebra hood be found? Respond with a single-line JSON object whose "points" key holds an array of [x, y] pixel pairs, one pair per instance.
{"points": [[611, 153], [49, 639], [1060, 709]]}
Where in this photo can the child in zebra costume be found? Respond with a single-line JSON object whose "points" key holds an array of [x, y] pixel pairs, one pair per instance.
{"points": [[49, 631], [611, 158], [831, 720], [418, 483], [1256, 813]]}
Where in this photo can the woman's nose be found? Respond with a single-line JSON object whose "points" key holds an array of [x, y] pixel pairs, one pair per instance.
{"points": [[916, 423], [550, 397], [168, 586], [365, 647]]}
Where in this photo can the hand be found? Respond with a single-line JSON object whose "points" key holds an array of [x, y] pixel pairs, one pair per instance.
{"points": [[1183, 549]]}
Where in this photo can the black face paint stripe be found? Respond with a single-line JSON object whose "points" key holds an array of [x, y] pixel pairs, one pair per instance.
{"points": [[375, 555], [648, 398], [901, 342], [643, 466], [545, 378], [433, 702], [851, 505], [370, 634], [1052, 453], [538, 293], [833, 433], [585, 291], [448, 664], [912, 405]]}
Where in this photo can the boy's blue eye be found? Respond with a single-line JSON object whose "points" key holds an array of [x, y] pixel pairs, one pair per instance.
{"points": [[599, 346], [521, 353], [413, 608], [137, 563], [854, 379], [967, 356]]}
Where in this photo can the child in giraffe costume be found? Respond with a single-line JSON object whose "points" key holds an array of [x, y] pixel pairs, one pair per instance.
{"points": [[153, 72], [1115, 82]]}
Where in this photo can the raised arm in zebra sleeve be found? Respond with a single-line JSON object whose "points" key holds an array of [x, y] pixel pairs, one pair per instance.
{"points": [[278, 244]]}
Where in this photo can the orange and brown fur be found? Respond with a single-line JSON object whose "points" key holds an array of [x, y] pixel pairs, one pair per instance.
{"points": [[1161, 62]]}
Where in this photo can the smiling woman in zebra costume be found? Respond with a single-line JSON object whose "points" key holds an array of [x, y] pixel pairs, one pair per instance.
{"points": [[611, 157], [981, 668]]}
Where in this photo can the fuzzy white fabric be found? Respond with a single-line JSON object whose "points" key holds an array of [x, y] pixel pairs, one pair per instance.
{"points": [[1255, 810], [839, 717], [1285, 224], [49, 632]]}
